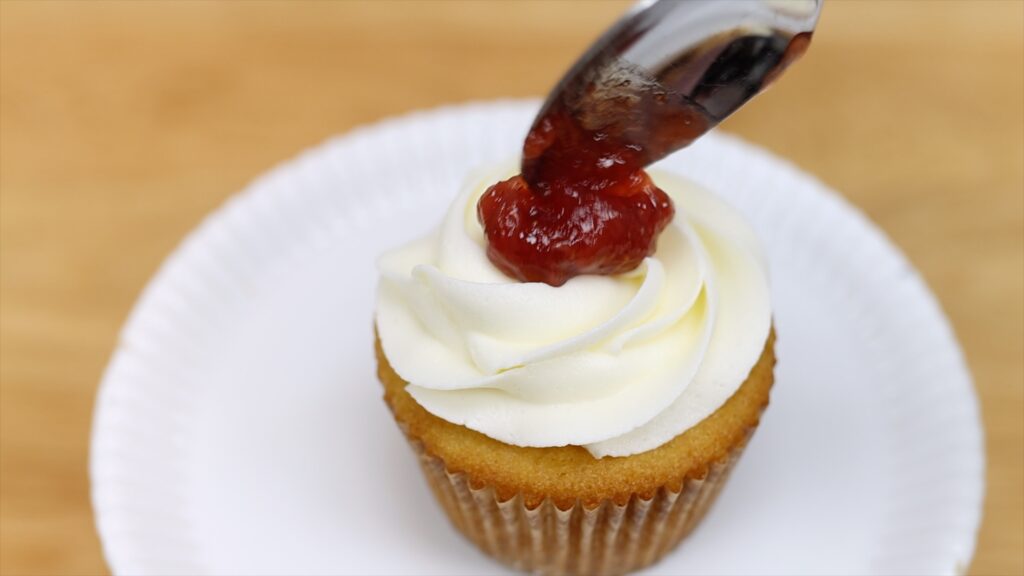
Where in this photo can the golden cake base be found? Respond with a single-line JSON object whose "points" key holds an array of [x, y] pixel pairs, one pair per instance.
{"points": [[560, 510]]}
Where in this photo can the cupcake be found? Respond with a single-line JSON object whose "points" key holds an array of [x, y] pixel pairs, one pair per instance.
{"points": [[581, 351], [582, 424]]}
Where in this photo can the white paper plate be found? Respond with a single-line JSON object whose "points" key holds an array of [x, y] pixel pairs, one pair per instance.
{"points": [[240, 428]]}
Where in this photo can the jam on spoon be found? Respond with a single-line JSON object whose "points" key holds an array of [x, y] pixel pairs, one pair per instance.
{"points": [[583, 203]]}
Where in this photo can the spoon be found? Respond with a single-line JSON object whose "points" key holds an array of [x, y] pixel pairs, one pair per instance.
{"points": [[662, 76]]}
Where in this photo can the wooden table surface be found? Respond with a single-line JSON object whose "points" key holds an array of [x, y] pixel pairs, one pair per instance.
{"points": [[123, 124]]}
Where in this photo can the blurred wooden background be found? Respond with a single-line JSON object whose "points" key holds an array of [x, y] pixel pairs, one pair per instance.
{"points": [[124, 123]]}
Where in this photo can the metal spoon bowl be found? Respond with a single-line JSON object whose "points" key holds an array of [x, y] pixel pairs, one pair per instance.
{"points": [[666, 73]]}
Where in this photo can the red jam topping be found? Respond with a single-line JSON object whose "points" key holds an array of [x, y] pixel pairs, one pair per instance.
{"points": [[602, 227], [583, 205]]}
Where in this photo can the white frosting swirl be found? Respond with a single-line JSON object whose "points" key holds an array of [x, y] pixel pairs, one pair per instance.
{"points": [[617, 364]]}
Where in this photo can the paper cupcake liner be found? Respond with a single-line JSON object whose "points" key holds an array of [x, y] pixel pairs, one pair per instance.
{"points": [[609, 538]]}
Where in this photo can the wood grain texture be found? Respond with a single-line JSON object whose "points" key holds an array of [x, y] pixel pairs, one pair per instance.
{"points": [[122, 124]]}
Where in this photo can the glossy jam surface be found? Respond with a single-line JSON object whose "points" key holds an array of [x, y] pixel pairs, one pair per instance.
{"points": [[583, 205], [566, 232]]}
